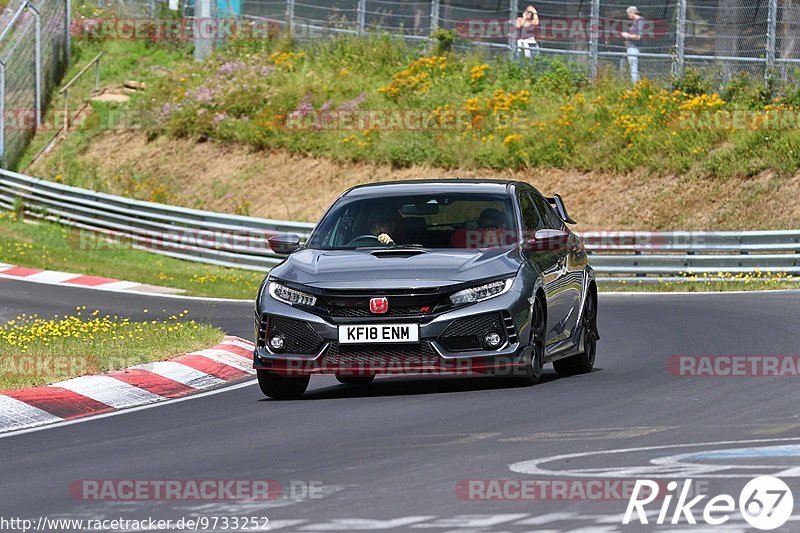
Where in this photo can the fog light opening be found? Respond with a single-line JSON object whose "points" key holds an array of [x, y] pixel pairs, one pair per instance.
{"points": [[276, 342], [492, 339]]}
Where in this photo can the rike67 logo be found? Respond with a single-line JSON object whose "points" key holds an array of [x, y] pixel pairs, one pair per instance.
{"points": [[765, 503]]}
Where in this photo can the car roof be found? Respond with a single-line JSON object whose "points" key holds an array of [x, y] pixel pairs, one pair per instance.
{"points": [[431, 186]]}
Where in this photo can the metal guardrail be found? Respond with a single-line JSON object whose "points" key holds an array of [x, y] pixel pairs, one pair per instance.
{"points": [[241, 242]]}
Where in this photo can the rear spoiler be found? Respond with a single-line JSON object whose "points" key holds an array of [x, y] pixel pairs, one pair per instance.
{"points": [[558, 203]]}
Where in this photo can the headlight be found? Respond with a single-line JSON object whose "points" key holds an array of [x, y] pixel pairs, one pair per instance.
{"points": [[481, 292], [290, 296]]}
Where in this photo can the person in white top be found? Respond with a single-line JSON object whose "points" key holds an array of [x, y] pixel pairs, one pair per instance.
{"points": [[526, 42]]}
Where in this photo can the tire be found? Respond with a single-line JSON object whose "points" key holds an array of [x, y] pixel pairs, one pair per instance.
{"points": [[583, 363], [355, 380], [533, 368], [281, 387]]}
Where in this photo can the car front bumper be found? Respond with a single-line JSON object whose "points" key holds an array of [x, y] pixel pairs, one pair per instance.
{"points": [[436, 352]]}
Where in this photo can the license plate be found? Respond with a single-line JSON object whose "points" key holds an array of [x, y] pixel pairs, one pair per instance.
{"points": [[357, 333]]}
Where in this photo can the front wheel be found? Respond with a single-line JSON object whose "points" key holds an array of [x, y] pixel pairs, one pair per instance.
{"points": [[281, 387], [535, 362], [583, 363], [355, 380]]}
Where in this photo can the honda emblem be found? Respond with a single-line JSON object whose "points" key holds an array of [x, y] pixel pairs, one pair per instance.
{"points": [[378, 306]]}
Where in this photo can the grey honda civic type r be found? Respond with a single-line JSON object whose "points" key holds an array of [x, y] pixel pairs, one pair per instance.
{"points": [[428, 276]]}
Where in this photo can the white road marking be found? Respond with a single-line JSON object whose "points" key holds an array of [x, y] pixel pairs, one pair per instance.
{"points": [[534, 466], [227, 358], [365, 524], [51, 276], [126, 411], [241, 344], [182, 374], [117, 286], [14, 413], [109, 391], [473, 521]]}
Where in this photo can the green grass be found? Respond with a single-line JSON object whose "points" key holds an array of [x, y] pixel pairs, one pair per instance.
{"points": [[506, 114], [35, 351], [481, 112], [764, 283], [54, 247]]}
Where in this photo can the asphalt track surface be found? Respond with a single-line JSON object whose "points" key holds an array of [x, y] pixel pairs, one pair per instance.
{"points": [[390, 456]]}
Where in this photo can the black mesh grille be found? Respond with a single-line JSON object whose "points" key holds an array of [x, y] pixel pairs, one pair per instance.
{"points": [[385, 356], [298, 336], [357, 312], [402, 303], [465, 334]]}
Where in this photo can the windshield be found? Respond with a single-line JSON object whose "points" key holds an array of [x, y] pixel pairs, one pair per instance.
{"points": [[458, 220]]}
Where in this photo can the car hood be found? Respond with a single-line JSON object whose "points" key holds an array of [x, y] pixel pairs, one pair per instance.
{"points": [[345, 269]]}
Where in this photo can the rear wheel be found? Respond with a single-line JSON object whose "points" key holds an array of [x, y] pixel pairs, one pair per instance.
{"points": [[281, 387], [533, 368], [355, 380], [583, 363]]}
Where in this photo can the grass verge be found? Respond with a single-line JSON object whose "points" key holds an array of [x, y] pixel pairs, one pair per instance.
{"points": [[35, 351], [750, 282], [54, 247]]}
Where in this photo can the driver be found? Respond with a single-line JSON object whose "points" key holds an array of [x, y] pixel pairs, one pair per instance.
{"points": [[382, 226]]}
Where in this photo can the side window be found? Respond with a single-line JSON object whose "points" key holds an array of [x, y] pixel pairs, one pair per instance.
{"points": [[530, 216], [552, 220]]}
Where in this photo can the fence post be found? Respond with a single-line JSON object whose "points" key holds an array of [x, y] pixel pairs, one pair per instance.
{"points": [[771, 30], [68, 32], [202, 41], [37, 55], [680, 37], [2, 114], [362, 16], [434, 15], [290, 16], [513, 11], [594, 29]]}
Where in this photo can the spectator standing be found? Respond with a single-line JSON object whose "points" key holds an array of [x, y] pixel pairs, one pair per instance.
{"points": [[526, 24], [632, 38]]}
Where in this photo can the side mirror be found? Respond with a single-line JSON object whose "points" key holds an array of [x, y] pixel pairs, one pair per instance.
{"points": [[284, 243], [547, 240]]}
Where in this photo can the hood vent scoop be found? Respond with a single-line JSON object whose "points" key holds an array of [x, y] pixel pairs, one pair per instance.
{"points": [[398, 252]]}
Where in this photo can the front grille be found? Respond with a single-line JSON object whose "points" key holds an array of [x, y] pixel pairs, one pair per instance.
{"points": [[358, 312], [299, 337], [402, 303], [396, 356], [465, 334]]}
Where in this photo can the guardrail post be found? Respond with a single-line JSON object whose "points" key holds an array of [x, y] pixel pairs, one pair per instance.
{"points": [[37, 54], [290, 16], [362, 16], [513, 11], [680, 37], [772, 16], [2, 113], [594, 36], [435, 6]]}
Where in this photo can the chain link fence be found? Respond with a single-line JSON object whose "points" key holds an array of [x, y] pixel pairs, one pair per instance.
{"points": [[720, 38], [34, 53]]}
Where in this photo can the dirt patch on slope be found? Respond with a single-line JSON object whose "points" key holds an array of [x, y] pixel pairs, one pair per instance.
{"points": [[279, 185]]}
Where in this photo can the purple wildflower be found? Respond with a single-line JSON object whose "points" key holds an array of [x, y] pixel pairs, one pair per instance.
{"points": [[203, 94], [352, 105]]}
